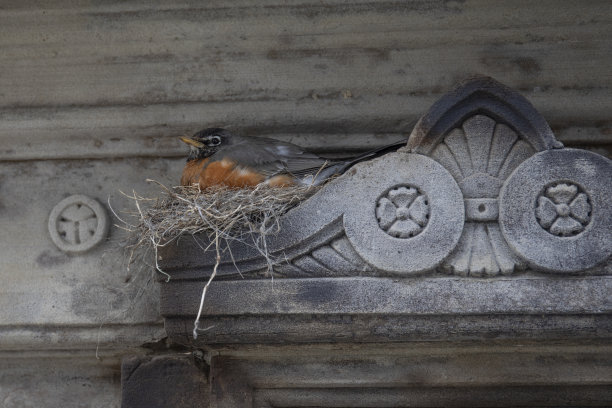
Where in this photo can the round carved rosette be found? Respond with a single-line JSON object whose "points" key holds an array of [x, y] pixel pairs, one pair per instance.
{"points": [[78, 223], [563, 209], [555, 210], [411, 214], [403, 211]]}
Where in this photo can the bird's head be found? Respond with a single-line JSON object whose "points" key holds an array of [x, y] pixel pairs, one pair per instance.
{"points": [[206, 142]]}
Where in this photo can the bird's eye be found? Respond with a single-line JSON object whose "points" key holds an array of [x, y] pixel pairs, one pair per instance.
{"points": [[214, 141]]}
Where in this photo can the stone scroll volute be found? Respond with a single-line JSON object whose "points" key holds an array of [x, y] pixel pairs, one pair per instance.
{"points": [[482, 188]]}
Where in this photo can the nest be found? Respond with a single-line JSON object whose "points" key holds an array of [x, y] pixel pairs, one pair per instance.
{"points": [[221, 213]]}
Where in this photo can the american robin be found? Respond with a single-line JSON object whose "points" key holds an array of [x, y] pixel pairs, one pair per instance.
{"points": [[218, 157]]}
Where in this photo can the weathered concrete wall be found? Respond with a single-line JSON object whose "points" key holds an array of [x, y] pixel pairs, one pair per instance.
{"points": [[93, 95], [120, 78]]}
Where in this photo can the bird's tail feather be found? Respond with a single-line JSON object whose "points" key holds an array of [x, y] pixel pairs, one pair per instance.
{"points": [[369, 155], [339, 167]]}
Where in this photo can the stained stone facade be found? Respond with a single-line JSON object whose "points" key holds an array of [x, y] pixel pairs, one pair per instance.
{"points": [[483, 235], [471, 268]]}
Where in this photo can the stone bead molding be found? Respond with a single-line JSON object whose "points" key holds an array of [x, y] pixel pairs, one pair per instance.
{"points": [[481, 189]]}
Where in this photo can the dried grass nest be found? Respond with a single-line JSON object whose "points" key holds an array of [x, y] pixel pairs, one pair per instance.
{"points": [[223, 214]]}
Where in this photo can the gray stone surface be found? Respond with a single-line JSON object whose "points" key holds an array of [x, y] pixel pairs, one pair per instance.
{"points": [[124, 78], [93, 95], [387, 296], [45, 286], [468, 375], [305, 330], [164, 381], [413, 242], [460, 397], [387, 309], [65, 318], [40, 378]]}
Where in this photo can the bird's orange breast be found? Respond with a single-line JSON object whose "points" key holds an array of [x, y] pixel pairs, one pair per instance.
{"points": [[191, 172], [227, 173]]}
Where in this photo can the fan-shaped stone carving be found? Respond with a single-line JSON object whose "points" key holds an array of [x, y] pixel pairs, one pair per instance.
{"points": [[481, 139], [481, 154]]}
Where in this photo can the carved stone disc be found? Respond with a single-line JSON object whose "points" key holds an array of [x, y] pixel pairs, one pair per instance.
{"points": [[409, 216], [78, 223], [555, 210]]}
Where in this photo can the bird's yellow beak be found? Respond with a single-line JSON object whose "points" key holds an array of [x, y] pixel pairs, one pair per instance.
{"points": [[192, 142]]}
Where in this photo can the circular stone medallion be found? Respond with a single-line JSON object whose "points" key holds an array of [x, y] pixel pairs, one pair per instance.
{"points": [[556, 212], [78, 223], [409, 216]]}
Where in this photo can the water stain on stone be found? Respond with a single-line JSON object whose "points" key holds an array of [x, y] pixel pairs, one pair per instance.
{"points": [[49, 259], [2, 207], [318, 295], [93, 299], [527, 65], [497, 59]]}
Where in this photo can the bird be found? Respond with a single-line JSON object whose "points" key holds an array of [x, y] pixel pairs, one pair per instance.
{"points": [[218, 157]]}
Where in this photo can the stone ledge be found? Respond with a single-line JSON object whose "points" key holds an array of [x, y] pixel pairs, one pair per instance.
{"points": [[107, 338], [377, 375], [337, 296], [302, 329], [384, 309]]}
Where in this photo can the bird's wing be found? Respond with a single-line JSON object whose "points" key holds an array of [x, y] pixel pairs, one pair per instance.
{"points": [[271, 157]]}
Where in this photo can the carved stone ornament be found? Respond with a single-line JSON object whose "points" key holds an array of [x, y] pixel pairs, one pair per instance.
{"points": [[481, 247], [482, 188], [403, 212], [405, 246], [78, 223]]}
